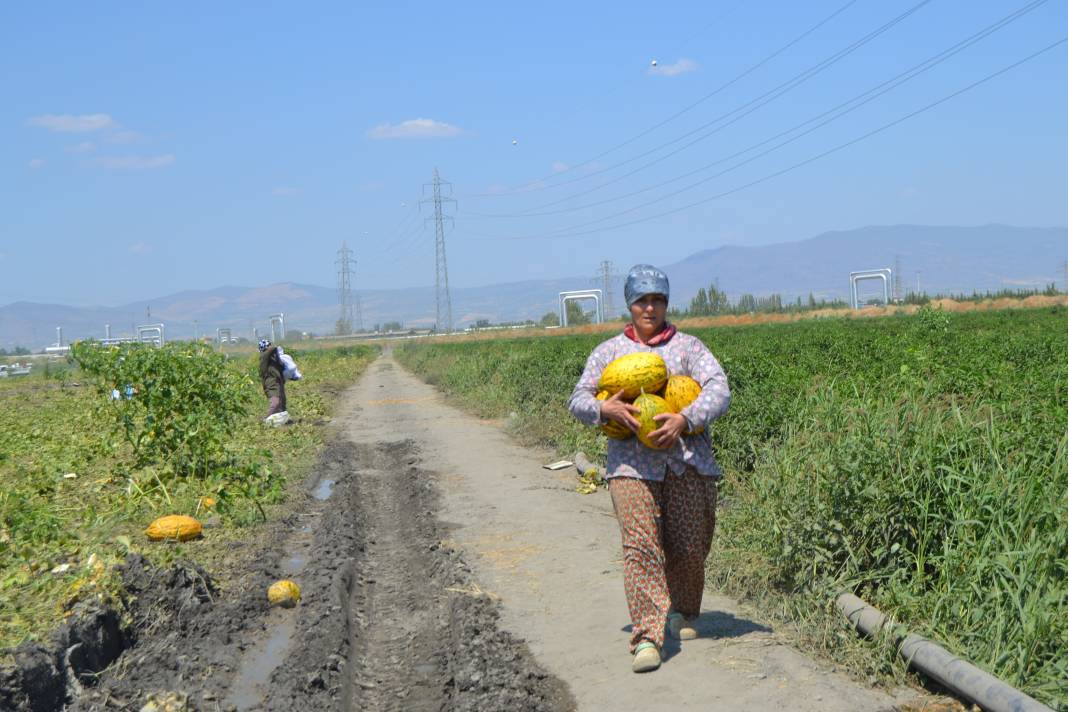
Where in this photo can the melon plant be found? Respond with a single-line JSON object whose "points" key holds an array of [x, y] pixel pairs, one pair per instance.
{"points": [[634, 373]]}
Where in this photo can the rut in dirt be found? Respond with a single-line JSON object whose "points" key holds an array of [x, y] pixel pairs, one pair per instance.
{"points": [[391, 617], [429, 637], [411, 629]]}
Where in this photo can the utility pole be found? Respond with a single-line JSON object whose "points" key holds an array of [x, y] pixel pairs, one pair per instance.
{"points": [[443, 301], [346, 265], [604, 278], [899, 293]]}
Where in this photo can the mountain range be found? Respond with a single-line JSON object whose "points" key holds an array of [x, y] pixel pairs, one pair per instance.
{"points": [[946, 260]]}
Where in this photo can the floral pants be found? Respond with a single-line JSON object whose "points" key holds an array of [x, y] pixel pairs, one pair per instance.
{"points": [[667, 530]]}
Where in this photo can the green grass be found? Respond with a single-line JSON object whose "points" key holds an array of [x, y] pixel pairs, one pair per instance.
{"points": [[919, 461], [55, 426]]}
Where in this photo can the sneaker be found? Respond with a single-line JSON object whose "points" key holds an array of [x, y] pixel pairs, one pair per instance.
{"points": [[679, 628], [646, 657]]}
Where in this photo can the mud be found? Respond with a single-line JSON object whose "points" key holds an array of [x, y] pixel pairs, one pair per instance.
{"points": [[390, 617]]}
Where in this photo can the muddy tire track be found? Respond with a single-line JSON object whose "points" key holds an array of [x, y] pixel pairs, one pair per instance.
{"points": [[391, 617]]}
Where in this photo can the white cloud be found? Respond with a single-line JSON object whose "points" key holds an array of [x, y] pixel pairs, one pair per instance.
{"points": [[123, 136], [35, 163], [83, 147], [135, 162], [414, 128], [559, 166], [284, 191], [671, 70], [69, 123], [140, 248]]}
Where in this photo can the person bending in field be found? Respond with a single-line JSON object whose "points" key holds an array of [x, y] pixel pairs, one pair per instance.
{"points": [[665, 500], [274, 382]]}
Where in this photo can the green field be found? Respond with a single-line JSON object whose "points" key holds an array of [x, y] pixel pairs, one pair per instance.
{"points": [[919, 461], [83, 474]]}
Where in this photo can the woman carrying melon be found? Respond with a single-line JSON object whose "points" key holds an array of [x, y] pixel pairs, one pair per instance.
{"points": [[664, 481]]}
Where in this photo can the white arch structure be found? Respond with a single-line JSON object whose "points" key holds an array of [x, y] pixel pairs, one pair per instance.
{"points": [[884, 274], [278, 320], [151, 334], [579, 295]]}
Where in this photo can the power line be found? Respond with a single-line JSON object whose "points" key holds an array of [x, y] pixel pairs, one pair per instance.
{"points": [[441, 273], [843, 109], [726, 85], [752, 105], [563, 234], [631, 78]]}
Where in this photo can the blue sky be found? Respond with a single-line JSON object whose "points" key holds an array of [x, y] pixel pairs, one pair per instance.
{"points": [[150, 148]]}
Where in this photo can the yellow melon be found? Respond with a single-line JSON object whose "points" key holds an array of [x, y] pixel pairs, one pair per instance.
{"points": [[614, 430], [680, 392], [175, 526], [650, 405], [284, 593], [634, 373]]}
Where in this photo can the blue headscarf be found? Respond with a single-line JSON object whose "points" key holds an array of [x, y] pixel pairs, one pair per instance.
{"points": [[642, 280]]}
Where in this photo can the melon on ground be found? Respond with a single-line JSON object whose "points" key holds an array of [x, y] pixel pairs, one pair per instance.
{"points": [[178, 527], [284, 593]]}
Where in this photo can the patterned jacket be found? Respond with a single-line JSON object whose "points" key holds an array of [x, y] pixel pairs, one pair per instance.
{"points": [[684, 355]]}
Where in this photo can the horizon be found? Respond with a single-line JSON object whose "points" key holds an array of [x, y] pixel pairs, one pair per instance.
{"points": [[194, 291]]}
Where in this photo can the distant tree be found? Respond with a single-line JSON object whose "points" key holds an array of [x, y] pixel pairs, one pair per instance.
{"points": [[549, 319], [699, 305], [393, 326], [747, 303], [770, 303], [481, 323], [342, 327], [718, 303], [575, 315]]}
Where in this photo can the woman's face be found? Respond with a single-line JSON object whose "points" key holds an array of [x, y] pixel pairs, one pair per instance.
{"points": [[648, 313]]}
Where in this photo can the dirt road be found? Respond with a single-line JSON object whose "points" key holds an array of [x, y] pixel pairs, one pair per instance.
{"points": [[553, 558], [442, 569]]}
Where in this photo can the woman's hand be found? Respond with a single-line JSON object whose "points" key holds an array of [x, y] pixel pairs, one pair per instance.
{"points": [[622, 412], [672, 426]]}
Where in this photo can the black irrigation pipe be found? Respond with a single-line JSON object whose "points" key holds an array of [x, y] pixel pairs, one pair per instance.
{"points": [[939, 664]]}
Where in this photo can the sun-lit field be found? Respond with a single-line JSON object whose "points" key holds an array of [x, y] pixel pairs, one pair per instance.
{"points": [[84, 474], [919, 460]]}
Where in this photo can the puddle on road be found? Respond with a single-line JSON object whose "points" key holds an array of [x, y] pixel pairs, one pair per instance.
{"points": [[259, 661], [324, 489], [294, 564]]}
